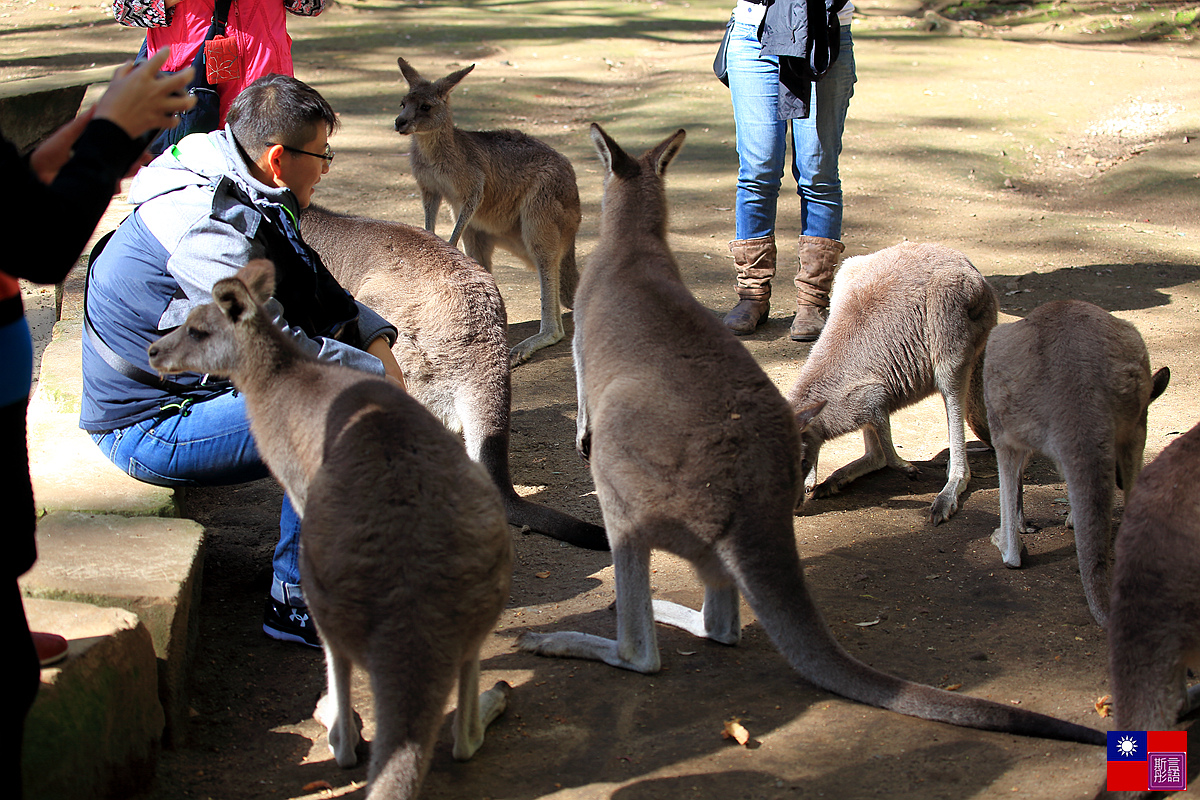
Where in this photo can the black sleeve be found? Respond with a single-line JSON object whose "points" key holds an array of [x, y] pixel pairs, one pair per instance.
{"points": [[52, 224]]}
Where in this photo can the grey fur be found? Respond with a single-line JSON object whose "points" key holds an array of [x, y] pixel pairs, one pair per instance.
{"points": [[905, 322], [405, 558], [694, 451], [1073, 382], [506, 189], [1154, 621], [451, 345]]}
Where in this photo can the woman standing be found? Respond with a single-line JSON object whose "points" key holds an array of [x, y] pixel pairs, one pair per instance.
{"points": [[806, 102], [259, 28]]}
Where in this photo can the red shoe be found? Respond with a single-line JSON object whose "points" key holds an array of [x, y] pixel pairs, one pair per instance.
{"points": [[51, 648]]}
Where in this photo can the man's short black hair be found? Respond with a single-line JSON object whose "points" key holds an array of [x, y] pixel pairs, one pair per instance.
{"points": [[278, 109]]}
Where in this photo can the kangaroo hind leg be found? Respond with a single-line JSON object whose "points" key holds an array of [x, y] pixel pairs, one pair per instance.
{"points": [[1010, 463], [547, 254], [475, 711], [718, 619], [636, 645]]}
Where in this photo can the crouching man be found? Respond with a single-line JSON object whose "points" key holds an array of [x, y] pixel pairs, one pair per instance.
{"points": [[203, 209]]}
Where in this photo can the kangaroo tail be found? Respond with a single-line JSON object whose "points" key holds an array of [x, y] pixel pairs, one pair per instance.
{"points": [[975, 409], [790, 617], [568, 278], [493, 454], [1090, 488]]}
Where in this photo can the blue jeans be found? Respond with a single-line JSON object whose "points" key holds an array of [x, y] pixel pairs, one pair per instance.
{"points": [[762, 139], [210, 445]]}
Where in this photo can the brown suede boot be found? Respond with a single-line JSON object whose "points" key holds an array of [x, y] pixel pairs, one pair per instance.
{"points": [[754, 260], [818, 261]]}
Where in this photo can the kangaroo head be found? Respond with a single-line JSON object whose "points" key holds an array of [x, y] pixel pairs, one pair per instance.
{"points": [[210, 340], [618, 163], [426, 107], [810, 443]]}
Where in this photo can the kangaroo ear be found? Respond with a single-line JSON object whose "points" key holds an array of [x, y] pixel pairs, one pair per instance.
{"points": [[1161, 379], [805, 415], [444, 85], [411, 75], [616, 161], [259, 277], [233, 298], [662, 155]]}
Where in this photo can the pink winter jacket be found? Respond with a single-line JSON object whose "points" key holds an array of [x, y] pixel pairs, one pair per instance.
{"points": [[259, 27]]}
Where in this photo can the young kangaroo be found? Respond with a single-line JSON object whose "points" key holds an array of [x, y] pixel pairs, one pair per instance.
{"points": [[1071, 381], [694, 451], [1154, 620], [506, 189], [903, 323], [406, 557], [451, 346]]}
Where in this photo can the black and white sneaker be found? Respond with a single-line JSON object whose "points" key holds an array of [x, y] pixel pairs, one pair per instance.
{"points": [[289, 624]]}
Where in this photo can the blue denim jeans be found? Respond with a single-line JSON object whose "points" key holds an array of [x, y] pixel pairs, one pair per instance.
{"points": [[762, 139], [210, 445]]}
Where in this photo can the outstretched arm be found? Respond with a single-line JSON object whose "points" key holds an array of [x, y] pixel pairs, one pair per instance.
{"points": [[57, 198]]}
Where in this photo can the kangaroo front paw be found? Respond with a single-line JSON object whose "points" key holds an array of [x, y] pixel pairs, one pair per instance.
{"points": [[826, 488]]}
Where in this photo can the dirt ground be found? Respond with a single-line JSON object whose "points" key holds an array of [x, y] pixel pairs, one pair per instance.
{"points": [[1065, 165]]}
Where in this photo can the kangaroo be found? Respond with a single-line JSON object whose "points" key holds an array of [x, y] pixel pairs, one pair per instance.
{"points": [[451, 345], [506, 189], [903, 323], [1154, 616], [406, 558], [694, 451], [1073, 382]]}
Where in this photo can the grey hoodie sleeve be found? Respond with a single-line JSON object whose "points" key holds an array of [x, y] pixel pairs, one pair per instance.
{"points": [[325, 349], [371, 326]]}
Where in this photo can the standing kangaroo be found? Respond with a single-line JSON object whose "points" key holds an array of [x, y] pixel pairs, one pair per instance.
{"points": [[694, 451], [451, 346], [903, 323], [506, 189], [406, 558], [1071, 381], [1154, 619]]}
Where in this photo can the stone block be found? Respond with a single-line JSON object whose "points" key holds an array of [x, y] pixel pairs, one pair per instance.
{"points": [[95, 730]]}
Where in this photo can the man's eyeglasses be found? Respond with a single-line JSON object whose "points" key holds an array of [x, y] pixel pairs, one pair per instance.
{"points": [[327, 156]]}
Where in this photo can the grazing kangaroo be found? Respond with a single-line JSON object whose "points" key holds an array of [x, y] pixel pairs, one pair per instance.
{"points": [[506, 189], [903, 323], [694, 451], [1071, 381], [1154, 619], [451, 346], [406, 558]]}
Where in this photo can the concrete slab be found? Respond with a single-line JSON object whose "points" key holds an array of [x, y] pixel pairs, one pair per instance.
{"points": [[60, 384], [151, 567], [96, 726], [70, 474]]}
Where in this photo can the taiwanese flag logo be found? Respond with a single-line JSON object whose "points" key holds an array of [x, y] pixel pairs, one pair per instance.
{"points": [[1140, 761]]}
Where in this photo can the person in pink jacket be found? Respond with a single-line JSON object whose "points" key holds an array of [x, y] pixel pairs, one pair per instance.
{"points": [[259, 27]]}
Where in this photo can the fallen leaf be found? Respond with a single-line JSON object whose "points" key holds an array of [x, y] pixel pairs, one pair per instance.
{"points": [[541, 574], [315, 785], [868, 624], [1104, 706], [686, 652], [954, 687], [734, 730]]}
